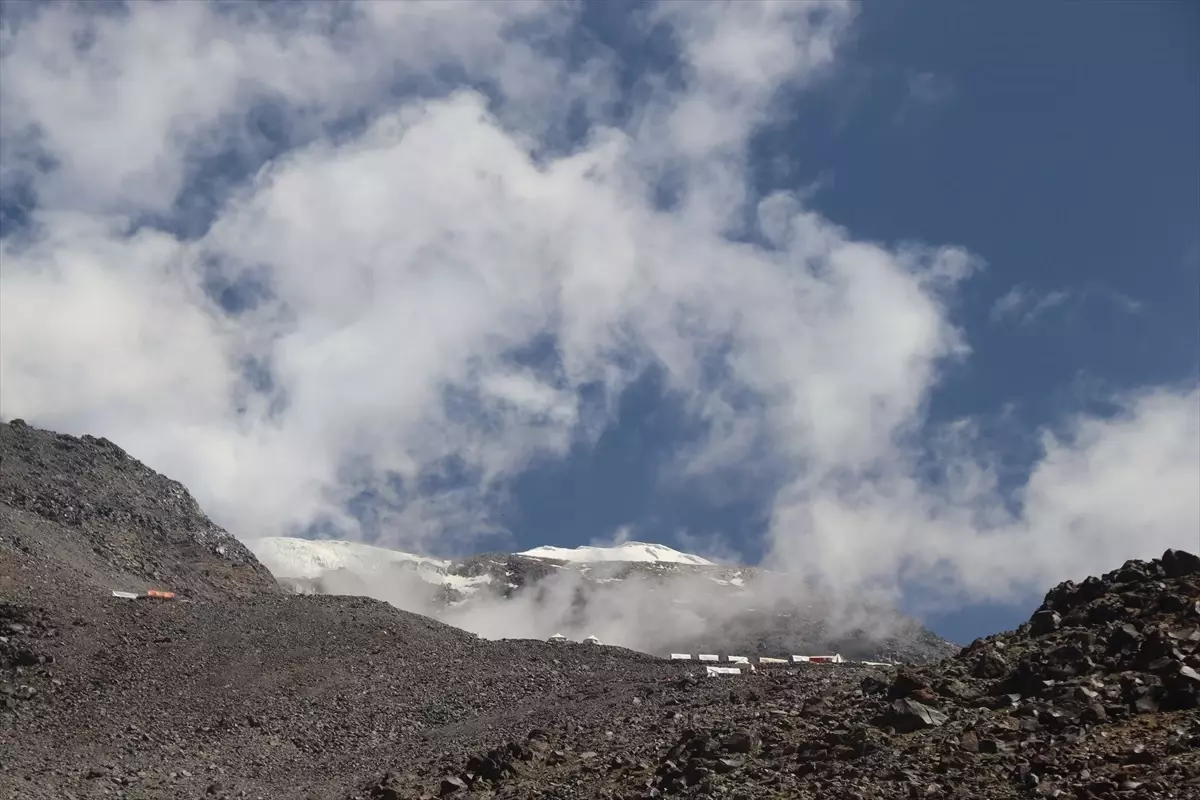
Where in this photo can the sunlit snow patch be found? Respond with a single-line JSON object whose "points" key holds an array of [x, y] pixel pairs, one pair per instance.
{"points": [[629, 551], [290, 557]]}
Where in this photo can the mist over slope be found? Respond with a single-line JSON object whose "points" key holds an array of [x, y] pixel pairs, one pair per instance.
{"points": [[642, 596]]}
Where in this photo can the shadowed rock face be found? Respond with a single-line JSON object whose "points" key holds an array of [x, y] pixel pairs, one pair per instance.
{"points": [[248, 691]]}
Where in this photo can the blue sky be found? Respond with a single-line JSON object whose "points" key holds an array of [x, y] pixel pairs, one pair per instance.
{"points": [[1063, 153], [569, 321]]}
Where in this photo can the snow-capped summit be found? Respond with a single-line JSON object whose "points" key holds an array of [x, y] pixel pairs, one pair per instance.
{"points": [[310, 558], [627, 551]]}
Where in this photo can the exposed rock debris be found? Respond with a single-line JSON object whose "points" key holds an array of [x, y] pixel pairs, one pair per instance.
{"points": [[108, 519], [238, 690]]}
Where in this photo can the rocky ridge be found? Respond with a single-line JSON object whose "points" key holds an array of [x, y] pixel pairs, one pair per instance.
{"points": [[92, 510]]}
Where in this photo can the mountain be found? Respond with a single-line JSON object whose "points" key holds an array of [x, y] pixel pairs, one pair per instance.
{"points": [[628, 551], [292, 558], [647, 597], [238, 689]]}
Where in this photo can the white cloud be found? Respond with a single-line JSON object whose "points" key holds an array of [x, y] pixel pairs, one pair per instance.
{"points": [[1023, 305], [1103, 491], [928, 88], [126, 101], [405, 265]]}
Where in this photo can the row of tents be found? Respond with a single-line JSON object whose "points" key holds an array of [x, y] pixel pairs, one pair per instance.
{"points": [[558, 637], [836, 658], [744, 661]]}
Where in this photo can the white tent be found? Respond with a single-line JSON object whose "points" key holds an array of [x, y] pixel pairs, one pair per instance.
{"points": [[833, 659], [558, 637], [710, 671], [592, 640]]}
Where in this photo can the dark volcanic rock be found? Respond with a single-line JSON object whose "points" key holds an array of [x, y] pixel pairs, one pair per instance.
{"points": [[909, 715], [452, 785], [1044, 621]]}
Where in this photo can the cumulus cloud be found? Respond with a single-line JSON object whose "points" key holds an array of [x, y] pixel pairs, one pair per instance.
{"points": [[1102, 491], [399, 299]]}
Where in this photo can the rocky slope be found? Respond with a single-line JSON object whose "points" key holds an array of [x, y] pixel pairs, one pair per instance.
{"points": [[247, 691], [1098, 696], [91, 511]]}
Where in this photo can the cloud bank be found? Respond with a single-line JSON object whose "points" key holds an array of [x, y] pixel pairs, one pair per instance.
{"points": [[325, 260]]}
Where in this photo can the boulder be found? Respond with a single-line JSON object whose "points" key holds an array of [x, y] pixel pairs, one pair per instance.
{"points": [[742, 741], [452, 785], [1180, 563], [905, 716], [1044, 622]]}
